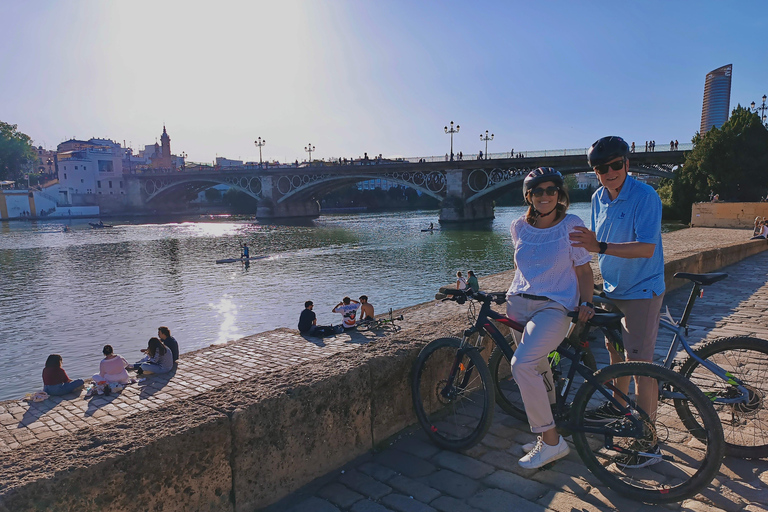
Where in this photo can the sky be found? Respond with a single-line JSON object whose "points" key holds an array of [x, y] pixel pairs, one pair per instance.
{"points": [[356, 76]]}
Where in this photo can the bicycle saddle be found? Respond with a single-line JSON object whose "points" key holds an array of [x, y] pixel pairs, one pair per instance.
{"points": [[702, 279]]}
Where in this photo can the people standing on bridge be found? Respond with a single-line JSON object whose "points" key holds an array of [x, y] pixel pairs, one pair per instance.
{"points": [[672, 145], [551, 279], [646, 146], [632, 149], [676, 143], [625, 231]]}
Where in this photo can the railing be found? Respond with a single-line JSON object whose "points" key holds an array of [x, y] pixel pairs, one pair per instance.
{"points": [[198, 167]]}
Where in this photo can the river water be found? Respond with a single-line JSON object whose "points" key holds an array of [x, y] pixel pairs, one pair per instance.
{"points": [[71, 293]]}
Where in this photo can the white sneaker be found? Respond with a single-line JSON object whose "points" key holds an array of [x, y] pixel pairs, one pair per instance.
{"points": [[527, 447], [542, 453]]}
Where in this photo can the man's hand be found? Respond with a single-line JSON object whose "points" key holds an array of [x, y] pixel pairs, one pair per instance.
{"points": [[585, 313], [583, 237]]}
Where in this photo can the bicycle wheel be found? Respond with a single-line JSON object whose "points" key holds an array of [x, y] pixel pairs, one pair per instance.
{"points": [[666, 462], [457, 411], [506, 391], [745, 424], [366, 325]]}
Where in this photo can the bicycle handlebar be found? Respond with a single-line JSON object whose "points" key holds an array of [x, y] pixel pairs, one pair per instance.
{"points": [[461, 295]]}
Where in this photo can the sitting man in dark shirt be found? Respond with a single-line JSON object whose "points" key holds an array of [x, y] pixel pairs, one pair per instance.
{"points": [[308, 322], [169, 341]]}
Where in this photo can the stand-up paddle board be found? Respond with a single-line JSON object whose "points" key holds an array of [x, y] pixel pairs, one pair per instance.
{"points": [[232, 260]]}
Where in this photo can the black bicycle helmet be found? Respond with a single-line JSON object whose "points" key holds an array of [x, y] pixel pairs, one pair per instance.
{"points": [[541, 175], [607, 149]]}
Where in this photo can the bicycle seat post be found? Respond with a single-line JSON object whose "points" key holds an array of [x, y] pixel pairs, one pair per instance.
{"points": [[695, 291]]}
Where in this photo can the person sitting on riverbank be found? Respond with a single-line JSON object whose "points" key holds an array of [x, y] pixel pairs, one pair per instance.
{"points": [[55, 379], [761, 229], [159, 358], [472, 281], [366, 309], [169, 341], [348, 309], [461, 282], [308, 322], [112, 368]]}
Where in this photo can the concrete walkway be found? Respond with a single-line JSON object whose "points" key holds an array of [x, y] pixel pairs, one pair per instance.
{"points": [[413, 475]]}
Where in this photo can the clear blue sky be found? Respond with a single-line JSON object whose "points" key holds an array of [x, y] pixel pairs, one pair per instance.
{"points": [[371, 76]]}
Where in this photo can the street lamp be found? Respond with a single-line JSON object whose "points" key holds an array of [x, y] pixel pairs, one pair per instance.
{"points": [[183, 161], [260, 144], [309, 149], [452, 131], [762, 109], [486, 139]]}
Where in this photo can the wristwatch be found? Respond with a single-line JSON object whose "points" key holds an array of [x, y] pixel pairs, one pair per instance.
{"points": [[603, 247], [588, 304]]}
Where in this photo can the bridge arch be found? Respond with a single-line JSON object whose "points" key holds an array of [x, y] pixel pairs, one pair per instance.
{"points": [[160, 186]]}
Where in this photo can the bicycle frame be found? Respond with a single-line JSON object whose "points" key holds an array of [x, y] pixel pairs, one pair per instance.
{"points": [[680, 331]]}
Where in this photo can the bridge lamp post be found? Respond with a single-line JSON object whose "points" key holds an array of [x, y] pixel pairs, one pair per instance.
{"points": [[452, 131], [183, 161], [761, 109], [486, 139], [309, 149], [260, 144]]}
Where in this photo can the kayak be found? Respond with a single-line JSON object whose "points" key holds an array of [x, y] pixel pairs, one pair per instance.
{"points": [[232, 260], [433, 229], [98, 226]]}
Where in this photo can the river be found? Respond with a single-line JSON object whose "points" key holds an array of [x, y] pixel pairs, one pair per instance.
{"points": [[71, 293]]}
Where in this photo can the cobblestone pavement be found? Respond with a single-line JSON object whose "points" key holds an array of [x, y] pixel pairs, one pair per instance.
{"points": [[413, 475], [23, 423]]}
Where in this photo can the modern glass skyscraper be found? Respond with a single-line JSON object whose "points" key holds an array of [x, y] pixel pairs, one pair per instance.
{"points": [[717, 98]]}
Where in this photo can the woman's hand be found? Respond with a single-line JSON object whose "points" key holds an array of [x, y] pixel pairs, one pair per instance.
{"points": [[585, 313]]}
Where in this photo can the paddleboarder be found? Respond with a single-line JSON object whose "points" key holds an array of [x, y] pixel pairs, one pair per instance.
{"points": [[246, 252]]}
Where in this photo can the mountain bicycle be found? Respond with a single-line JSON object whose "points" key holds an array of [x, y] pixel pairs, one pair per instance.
{"points": [[453, 395], [732, 372], [385, 322]]}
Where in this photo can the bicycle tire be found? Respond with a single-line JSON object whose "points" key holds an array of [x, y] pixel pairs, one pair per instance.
{"points": [[366, 326], [690, 463], [455, 417], [745, 425], [506, 391]]}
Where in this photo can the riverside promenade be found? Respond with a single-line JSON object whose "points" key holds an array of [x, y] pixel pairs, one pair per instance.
{"points": [[411, 474]]}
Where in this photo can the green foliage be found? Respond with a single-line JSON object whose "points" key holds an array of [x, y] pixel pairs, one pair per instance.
{"points": [[731, 161], [395, 198], [213, 195], [16, 151]]}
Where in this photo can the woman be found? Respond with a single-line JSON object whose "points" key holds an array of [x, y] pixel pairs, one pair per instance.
{"points": [[112, 368], [461, 283], [761, 230], [55, 379], [159, 358], [551, 279], [472, 281]]}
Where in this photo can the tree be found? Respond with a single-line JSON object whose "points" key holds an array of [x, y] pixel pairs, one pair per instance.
{"points": [[730, 161], [16, 151]]}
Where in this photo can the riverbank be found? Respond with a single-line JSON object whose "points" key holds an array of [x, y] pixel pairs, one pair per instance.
{"points": [[239, 426]]}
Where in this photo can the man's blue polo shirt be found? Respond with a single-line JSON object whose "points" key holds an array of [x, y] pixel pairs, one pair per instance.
{"points": [[634, 216]]}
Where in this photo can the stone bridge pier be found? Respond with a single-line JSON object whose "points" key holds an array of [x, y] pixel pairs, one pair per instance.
{"points": [[462, 203], [275, 204]]}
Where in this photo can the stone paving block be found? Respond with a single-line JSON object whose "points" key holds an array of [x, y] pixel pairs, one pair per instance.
{"points": [[314, 504], [563, 482], [516, 484], [411, 487], [496, 442], [448, 504], [364, 484], [416, 447], [496, 500], [749, 492], [462, 464], [697, 506], [369, 506], [755, 508], [608, 499], [405, 504], [339, 495], [454, 484], [377, 471], [566, 502], [404, 463], [507, 462], [721, 497]]}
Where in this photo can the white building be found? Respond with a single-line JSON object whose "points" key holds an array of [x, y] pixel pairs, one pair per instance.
{"points": [[88, 169], [226, 162]]}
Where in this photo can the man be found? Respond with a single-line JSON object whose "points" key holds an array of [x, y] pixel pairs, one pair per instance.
{"points": [[348, 311], [169, 341], [307, 319], [246, 251], [626, 233], [366, 309]]}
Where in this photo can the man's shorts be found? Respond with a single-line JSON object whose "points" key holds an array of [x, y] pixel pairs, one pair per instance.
{"points": [[640, 326]]}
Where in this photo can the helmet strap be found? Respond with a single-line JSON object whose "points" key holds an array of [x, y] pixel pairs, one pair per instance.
{"points": [[539, 214]]}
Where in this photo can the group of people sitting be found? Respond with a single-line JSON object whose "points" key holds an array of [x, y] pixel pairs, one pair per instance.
{"points": [[469, 282], [159, 357], [347, 308], [760, 230]]}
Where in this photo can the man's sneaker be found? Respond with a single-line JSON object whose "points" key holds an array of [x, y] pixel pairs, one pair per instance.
{"points": [[543, 453], [636, 461], [604, 413], [527, 447]]}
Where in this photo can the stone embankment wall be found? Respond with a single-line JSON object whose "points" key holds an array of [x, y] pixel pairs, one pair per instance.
{"points": [[727, 215], [244, 446]]}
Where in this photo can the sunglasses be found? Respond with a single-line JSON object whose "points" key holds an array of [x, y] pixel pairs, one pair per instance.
{"points": [[550, 191], [616, 166]]}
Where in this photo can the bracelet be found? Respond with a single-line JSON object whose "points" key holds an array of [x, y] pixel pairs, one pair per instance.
{"points": [[603, 247]]}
